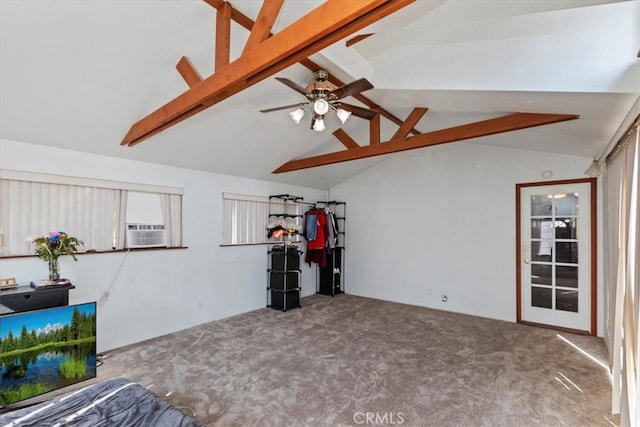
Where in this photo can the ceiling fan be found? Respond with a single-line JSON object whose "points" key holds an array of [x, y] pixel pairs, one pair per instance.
{"points": [[322, 96]]}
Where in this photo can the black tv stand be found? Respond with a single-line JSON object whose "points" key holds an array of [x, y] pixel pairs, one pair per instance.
{"points": [[26, 298]]}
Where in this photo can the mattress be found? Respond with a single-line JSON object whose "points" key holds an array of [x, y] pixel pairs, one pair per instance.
{"points": [[116, 402]]}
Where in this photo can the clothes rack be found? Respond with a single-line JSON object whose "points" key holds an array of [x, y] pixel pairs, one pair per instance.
{"points": [[330, 279]]}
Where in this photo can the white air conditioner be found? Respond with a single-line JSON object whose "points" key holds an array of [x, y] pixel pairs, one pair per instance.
{"points": [[145, 236]]}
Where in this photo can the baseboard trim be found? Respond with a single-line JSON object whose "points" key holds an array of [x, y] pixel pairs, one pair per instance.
{"points": [[557, 328]]}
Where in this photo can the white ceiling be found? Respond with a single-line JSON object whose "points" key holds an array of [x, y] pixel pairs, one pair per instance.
{"points": [[78, 74]]}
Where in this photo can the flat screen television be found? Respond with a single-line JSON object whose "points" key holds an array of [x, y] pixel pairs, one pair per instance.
{"points": [[44, 350]]}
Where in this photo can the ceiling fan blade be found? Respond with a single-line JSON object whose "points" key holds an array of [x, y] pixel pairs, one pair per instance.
{"points": [[268, 110], [353, 88], [292, 85], [363, 113]]}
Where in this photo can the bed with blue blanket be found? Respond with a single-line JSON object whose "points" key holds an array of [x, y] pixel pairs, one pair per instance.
{"points": [[116, 402]]}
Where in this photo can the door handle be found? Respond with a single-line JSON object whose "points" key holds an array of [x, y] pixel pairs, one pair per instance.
{"points": [[526, 260]]}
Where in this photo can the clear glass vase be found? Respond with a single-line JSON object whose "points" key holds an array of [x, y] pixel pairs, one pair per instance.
{"points": [[54, 272]]}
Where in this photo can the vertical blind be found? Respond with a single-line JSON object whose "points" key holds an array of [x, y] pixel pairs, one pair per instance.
{"points": [[246, 218], [32, 209], [171, 205], [95, 215], [622, 224]]}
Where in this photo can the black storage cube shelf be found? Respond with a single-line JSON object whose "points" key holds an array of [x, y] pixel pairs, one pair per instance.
{"points": [[325, 286], [285, 261], [283, 255], [285, 300], [284, 281], [330, 277]]}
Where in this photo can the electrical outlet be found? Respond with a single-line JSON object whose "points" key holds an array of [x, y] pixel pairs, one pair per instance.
{"points": [[444, 298]]}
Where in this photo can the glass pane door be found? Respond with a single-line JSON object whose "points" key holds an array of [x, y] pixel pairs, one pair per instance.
{"points": [[555, 234]]}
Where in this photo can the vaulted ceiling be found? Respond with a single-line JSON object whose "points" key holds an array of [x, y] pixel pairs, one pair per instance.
{"points": [[79, 75]]}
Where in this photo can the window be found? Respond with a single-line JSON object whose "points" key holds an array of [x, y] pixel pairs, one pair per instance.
{"points": [[94, 211], [246, 218]]}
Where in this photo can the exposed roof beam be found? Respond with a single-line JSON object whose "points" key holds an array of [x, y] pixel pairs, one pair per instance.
{"points": [[413, 118], [374, 126], [223, 37], [325, 25], [236, 15], [346, 140], [247, 23], [188, 72], [493, 126], [374, 130], [372, 105], [357, 39], [265, 20]]}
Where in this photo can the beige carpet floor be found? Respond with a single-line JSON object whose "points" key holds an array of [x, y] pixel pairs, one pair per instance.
{"points": [[357, 361]]}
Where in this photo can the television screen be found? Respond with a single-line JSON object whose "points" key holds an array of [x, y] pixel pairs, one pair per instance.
{"points": [[44, 350]]}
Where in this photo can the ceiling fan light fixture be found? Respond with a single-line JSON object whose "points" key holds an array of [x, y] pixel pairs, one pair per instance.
{"points": [[343, 114], [296, 115], [321, 106], [322, 96], [318, 124]]}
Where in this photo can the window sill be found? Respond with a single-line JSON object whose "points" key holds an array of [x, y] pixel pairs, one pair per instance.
{"points": [[227, 245], [231, 245], [93, 252]]}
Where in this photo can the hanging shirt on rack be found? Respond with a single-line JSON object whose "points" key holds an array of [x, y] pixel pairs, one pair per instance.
{"points": [[311, 226], [316, 246], [332, 227]]}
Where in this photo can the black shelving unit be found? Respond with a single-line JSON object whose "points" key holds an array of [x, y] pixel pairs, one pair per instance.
{"points": [[284, 273], [330, 279]]}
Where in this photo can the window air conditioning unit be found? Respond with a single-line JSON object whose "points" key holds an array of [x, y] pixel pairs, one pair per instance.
{"points": [[145, 236]]}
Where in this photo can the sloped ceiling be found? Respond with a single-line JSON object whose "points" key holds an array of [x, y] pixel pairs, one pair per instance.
{"points": [[78, 74]]}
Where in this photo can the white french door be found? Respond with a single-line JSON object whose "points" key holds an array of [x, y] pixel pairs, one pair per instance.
{"points": [[556, 255]]}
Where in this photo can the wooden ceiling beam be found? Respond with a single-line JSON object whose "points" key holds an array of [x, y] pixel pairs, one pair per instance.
{"points": [[237, 16], [325, 25], [248, 23], [412, 119], [222, 54], [357, 39], [216, 3], [493, 126], [386, 8], [188, 72], [386, 114], [374, 129], [264, 22], [346, 140]]}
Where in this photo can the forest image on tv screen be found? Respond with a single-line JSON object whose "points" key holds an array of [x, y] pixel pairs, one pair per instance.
{"points": [[44, 350]]}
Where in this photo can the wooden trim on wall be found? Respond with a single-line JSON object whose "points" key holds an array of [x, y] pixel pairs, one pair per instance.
{"points": [[558, 182], [556, 328], [518, 255], [593, 185], [594, 255]]}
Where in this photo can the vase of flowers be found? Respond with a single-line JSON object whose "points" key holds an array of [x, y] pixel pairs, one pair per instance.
{"points": [[54, 245], [54, 272]]}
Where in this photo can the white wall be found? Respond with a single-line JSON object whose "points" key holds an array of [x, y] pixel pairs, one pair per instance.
{"points": [[161, 291], [441, 220]]}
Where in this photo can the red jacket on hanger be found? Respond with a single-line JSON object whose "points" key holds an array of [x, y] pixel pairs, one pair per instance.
{"points": [[316, 248]]}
